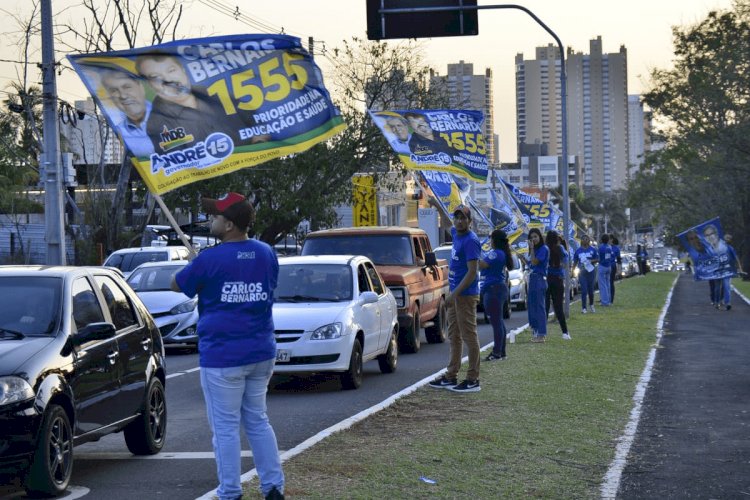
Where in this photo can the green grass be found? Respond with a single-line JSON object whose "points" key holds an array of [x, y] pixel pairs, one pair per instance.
{"points": [[742, 286], [544, 425]]}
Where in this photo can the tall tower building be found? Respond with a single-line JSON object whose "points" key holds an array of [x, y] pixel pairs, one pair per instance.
{"points": [[637, 129], [597, 102]]}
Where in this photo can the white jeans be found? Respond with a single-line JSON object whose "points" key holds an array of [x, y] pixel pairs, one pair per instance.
{"points": [[237, 395]]}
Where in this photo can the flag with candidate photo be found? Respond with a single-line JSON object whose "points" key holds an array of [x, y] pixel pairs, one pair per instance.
{"points": [[713, 258], [194, 109], [442, 140]]}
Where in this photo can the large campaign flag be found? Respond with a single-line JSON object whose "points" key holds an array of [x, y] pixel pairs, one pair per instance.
{"points": [[443, 140], [194, 109], [505, 215], [712, 257]]}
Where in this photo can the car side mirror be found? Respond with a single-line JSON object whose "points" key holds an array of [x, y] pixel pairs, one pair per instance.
{"points": [[368, 298], [430, 259], [95, 331]]}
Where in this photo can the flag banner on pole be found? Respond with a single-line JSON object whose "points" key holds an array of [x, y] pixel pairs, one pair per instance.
{"points": [[536, 212], [505, 215], [190, 110], [443, 140], [449, 190], [712, 257]]}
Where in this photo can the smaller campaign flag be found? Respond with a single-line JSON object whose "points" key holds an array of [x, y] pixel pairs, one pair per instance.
{"points": [[713, 258], [443, 140]]}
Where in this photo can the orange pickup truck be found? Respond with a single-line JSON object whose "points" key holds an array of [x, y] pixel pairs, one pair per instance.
{"points": [[405, 260]]}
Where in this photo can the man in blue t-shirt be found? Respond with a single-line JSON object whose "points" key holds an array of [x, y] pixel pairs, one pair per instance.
{"points": [[605, 270], [461, 304], [234, 282]]}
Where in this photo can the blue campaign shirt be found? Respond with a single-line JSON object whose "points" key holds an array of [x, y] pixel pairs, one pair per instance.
{"points": [[605, 255], [466, 247], [559, 271], [542, 255], [495, 274], [585, 256], [235, 283], [616, 257]]}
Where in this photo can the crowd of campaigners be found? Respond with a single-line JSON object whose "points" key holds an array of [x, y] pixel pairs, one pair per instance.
{"points": [[548, 261]]}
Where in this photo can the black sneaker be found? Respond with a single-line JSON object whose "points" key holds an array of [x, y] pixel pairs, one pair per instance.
{"points": [[494, 357], [443, 383], [729, 307], [274, 494], [467, 386]]}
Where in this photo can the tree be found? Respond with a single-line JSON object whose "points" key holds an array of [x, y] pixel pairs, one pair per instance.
{"points": [[308, 186], [704, 102]]}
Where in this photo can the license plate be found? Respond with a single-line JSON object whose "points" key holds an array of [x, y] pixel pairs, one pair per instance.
{"points": [[282, 356]]}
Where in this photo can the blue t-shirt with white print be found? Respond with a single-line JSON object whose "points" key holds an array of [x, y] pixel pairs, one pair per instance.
{"points": [[234, 282], [466, 247]]}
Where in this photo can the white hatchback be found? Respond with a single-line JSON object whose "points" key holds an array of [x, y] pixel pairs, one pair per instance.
{"points": [[331, 314]]}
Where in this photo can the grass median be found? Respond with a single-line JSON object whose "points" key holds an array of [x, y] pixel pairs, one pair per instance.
{"points": [[544, 425], [742, 286]]}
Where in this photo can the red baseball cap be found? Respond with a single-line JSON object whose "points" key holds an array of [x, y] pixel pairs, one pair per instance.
{"points": [[232, 206]]}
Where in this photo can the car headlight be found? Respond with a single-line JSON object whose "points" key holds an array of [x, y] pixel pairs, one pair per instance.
{"points": [[185, 307], [332, 331], [14, 389], [515, 282], [399, 293], [576, 271]]}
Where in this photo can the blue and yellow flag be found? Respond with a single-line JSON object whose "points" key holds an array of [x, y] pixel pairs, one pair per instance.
{"points": [[194, 109], [443, 140], [713, 258]]}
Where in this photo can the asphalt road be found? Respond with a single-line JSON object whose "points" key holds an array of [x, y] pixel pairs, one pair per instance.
{"points": [[299, 408], [693, 439]]}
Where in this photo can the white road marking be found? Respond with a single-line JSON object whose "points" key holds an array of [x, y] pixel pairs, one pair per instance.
{"points": [[185, 372]]}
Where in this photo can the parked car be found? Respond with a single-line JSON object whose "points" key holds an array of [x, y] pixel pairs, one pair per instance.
{"points": [[519, 283], [175, 313], [331, 314], [404, 258], [80, 357], [127, 259]]}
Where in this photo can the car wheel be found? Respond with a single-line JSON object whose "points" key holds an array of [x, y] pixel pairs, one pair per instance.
{"points": [[352, 378], [436, 334], [388, 361], [52, 464], [410, 341], [146, 434]]}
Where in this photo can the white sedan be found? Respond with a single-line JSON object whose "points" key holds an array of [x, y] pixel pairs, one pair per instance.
{"points": [[331, 314], [175, 313]]}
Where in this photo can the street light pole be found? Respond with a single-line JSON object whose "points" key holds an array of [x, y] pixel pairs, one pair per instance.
{"points": [[50, 158]]}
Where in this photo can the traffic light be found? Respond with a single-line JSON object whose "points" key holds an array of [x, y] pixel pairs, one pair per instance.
{"points": [[383, 26]]}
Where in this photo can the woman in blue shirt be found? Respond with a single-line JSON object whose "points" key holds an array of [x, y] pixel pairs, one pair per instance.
{"points": [[558, 260], [605, 270], [495, 290], [586, 258], [538, 259]]}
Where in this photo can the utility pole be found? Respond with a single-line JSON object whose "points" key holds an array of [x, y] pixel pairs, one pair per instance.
{"points": [[50, 158]]}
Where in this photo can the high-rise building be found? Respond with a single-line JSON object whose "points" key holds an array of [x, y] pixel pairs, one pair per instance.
{"points": [[597, 109], [638, 124], [473, 92]]}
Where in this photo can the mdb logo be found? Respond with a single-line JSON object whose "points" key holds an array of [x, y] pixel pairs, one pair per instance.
{"points": [[174, 138]]}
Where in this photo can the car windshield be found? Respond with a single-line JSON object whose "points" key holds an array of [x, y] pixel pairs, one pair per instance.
{"points": [[385, 249], [152, 279], [31, 305], [314, 283]]}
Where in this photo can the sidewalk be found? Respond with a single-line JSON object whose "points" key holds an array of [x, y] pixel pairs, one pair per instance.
{"points": [[693, 439]]}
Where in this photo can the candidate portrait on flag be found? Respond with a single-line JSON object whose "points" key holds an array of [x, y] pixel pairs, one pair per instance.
{"points": [[442, 140]]}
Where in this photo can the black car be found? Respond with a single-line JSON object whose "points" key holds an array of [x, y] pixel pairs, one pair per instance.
{"points": [[80, 357]]}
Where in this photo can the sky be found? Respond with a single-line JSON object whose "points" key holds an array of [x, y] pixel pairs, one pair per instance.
{"points": [[644, 27]]}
